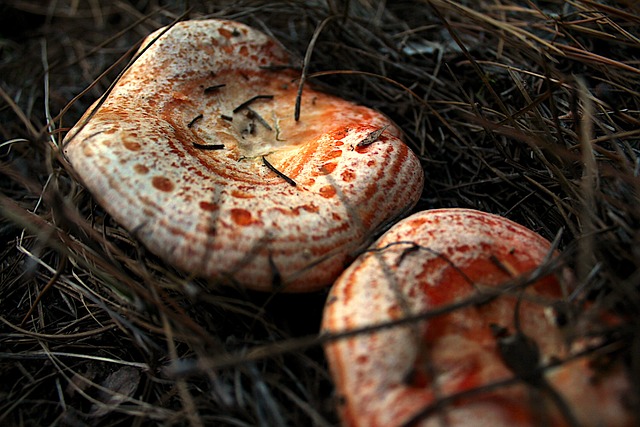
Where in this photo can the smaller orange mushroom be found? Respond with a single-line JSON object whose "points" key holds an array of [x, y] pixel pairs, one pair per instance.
{"points": [[493, 361]]}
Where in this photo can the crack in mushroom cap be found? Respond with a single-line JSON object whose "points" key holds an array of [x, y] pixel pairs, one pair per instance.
{"points": [[387, 377], [175, 154]]}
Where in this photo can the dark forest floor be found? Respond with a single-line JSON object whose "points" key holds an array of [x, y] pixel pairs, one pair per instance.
{"points": [[526, 109]]}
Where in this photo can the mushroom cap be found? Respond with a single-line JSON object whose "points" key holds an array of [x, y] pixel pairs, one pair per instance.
{"points": [[197, 153], [425, 262]]}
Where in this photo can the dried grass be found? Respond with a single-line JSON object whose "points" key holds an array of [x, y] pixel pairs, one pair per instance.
{"points": [[528, 109]]}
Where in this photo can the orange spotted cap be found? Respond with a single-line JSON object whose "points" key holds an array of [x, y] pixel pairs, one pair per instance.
{"points": [[196, 151]]}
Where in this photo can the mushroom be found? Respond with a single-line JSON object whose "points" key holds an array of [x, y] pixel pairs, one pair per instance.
{"points": [[431, 371], [196, 152]]}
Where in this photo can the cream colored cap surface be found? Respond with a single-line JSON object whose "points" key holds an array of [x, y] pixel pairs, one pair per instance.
{"points": [[196, 152]]}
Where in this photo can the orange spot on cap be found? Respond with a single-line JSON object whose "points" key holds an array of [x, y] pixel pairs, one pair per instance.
{"points": [[333, 154], [348, 176], [327, 168], [241, 194], [141, 169], [225, 33], [241, 217], [131, 145], [162, 183], [207, 206], [327, 191], [339, 133]]}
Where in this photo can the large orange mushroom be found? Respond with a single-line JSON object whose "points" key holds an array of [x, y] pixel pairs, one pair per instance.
{"points": [[196, 151], [497, 360]]}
